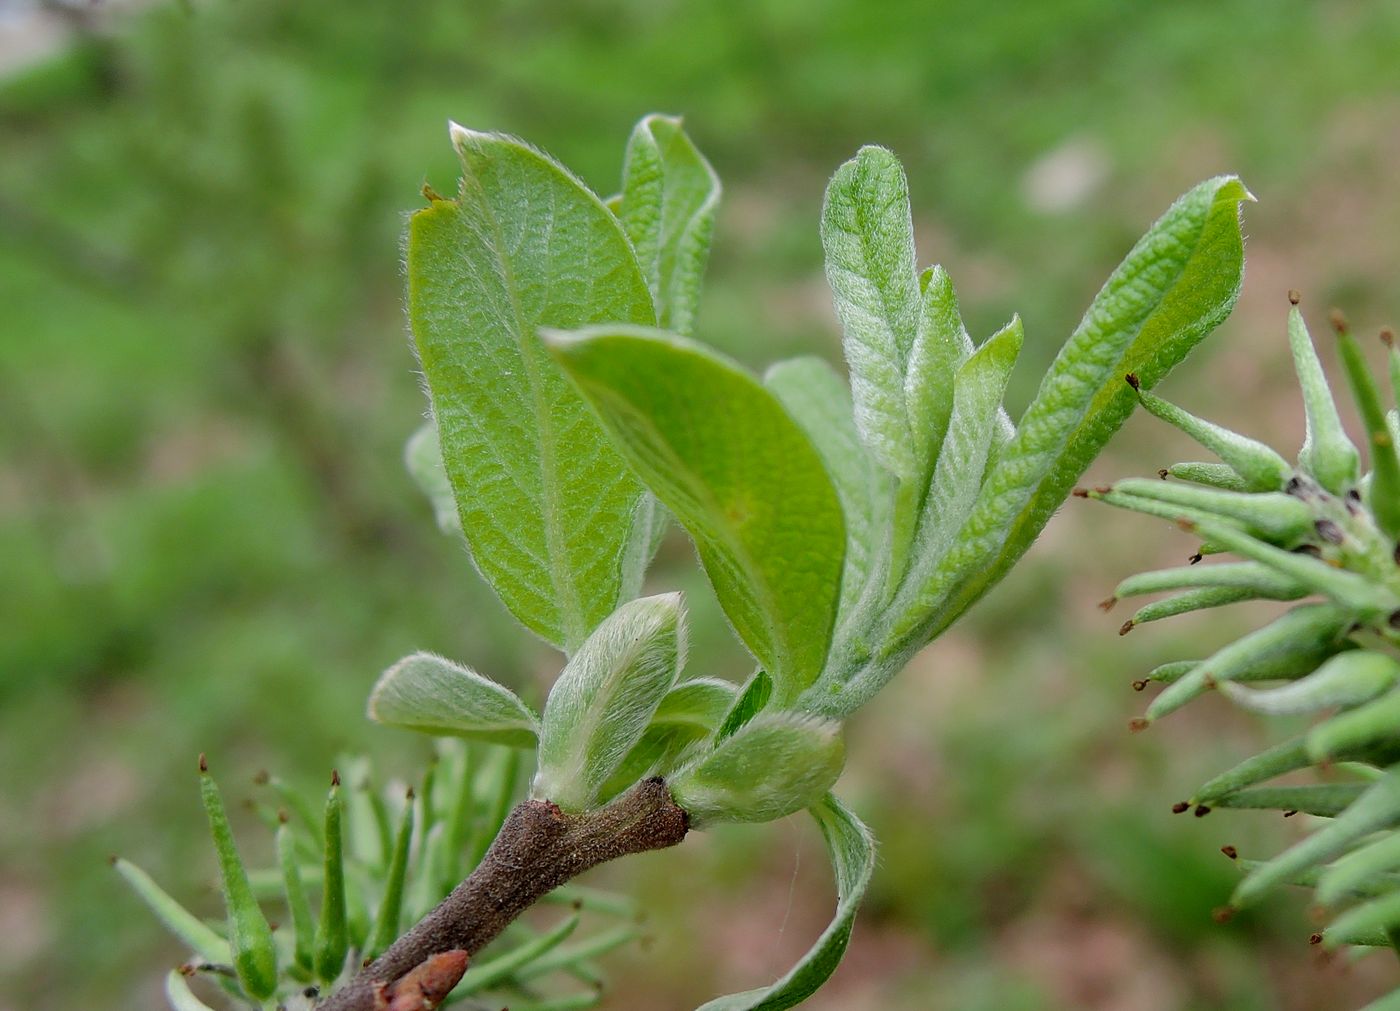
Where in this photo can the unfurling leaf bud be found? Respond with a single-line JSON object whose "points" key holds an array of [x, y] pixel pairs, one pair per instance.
{"points": [[606, 696], [776, 764]]}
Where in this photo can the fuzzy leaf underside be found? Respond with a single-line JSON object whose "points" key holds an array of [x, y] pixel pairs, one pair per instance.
{"points": [[737, 472], [820, 403], [545, 501], [433, 695], [669, 198], [605, 698]]}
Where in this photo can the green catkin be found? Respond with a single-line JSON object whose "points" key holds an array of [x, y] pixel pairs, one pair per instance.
{"points": [[1327, 454], [1352, 591], [1325, 801], [1212, 475], [332, 935], [1373, 723], [1200, 600], [1363, 871], [1375, 809], [1309, 629], [250, 936], [1273, 516], [1384, 498], [1276, 761], [1261, 579], [1259, 466], [1349, 679]]}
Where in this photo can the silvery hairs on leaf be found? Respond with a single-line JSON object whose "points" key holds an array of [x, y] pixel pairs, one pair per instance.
{"points": [[605, 698]]}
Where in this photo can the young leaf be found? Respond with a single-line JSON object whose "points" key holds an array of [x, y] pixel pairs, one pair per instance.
{"points": [[776, 764], [752, 699], [433, 695], [940, 346], [978, 386], [545, 501], [669, 197], [1174, 287], [819, 402], [250, 936], [852, 852], [422, 456], [604, 699], [868, 236], [737, 472]]}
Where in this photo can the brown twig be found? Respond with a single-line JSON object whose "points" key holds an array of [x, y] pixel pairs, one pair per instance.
{"points": [[538, 849]]}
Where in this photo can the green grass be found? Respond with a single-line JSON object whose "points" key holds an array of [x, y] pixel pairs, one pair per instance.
{"points": [[209, 544]]}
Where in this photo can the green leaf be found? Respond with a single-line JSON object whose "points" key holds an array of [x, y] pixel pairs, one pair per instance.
{"points": [[852, 852], [777, 763], [605, 698], [819, 402], [669, 197], [250, 936], [690, 712], [941, 345], [737, 472], [752, 699], [422, 456], [1325, 800], [1176, 285], [431, 694], [868, 236], [978, 387], [545, 501]]}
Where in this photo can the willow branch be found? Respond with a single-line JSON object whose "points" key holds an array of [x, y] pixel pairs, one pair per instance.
{"points": [[538, 849]]}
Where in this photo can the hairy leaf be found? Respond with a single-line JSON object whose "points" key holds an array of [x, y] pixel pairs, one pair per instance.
{"points": [[1174, 287], [423, 458], [868, 237], [818, 400], [776, 764], [545, 501], [433, 695], [605, 698], [737, 472], [669, 197]]}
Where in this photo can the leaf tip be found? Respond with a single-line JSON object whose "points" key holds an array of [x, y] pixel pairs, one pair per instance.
{"points": [[203, 764], [1294, 296]]}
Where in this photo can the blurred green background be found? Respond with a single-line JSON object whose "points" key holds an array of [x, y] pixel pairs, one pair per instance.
{"points": [[207, 542]]}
